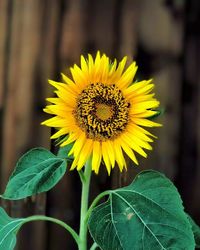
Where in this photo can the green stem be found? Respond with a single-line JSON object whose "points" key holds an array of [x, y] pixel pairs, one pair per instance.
{"points": [[59, 222], [84, 206], [95, 202], [94, 246], [81, 175]]}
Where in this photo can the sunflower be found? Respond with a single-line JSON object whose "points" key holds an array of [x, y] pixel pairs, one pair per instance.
{"points": [[102, 112]]}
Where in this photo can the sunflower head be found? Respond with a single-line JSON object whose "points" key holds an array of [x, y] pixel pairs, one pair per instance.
{"points": [[102, 111]]}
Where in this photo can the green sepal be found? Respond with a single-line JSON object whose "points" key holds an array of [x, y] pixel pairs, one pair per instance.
{"points": [[147, 214], [61, 139], [64, 151], [36, 171], [160, 112]]}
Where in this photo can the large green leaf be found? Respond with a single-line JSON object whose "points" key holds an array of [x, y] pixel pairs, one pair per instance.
{"points": [[147, 214], [37, 171], [196, 231], [8, 230]]}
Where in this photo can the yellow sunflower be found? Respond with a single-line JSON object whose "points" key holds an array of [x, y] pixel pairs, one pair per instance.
{"points": [[102, 111]]}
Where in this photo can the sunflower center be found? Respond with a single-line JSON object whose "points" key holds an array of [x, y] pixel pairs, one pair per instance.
{"points": [[102, 112]]}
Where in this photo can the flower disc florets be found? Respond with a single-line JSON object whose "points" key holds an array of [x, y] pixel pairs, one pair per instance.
{"points": [[102, 111]]}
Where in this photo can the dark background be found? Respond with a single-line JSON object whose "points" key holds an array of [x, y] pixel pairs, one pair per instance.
{"points": [[41, 38]]}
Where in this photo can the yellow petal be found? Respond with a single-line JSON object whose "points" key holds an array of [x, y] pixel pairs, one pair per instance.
{"points": [[127, 77], [104, 69], [133, 145], [85, 153], [119, 155], [106, 158], [60, 110], [97, 69], [138, 87], [67, 79], [142, 130], [139, 132], [129, 152], [96, 156], [55, 100], [57, 85], [75, 150], [74, 163], [113, 67], [143, 114], [66, 98], [143, 106], [140, 142], [121, 66], [70, 139], [62, 131], [84, 65], [70, 83], [117, 74], [142, 98], [109, 148], [78, 76], [97, 59], [55, 122], [146, 122], [91, 68]]}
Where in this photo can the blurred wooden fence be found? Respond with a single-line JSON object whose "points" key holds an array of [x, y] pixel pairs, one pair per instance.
{"points": [[39, 39]]}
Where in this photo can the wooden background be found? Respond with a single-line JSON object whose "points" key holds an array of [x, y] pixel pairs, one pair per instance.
{"points": [[39, 39]]}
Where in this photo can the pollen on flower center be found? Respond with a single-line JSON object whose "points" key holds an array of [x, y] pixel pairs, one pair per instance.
{"points": [[102, 111]]}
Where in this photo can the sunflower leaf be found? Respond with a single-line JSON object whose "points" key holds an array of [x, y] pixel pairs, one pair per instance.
{"points": [[36, 171], [147, 214], [196, 231], [8, 230]]}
